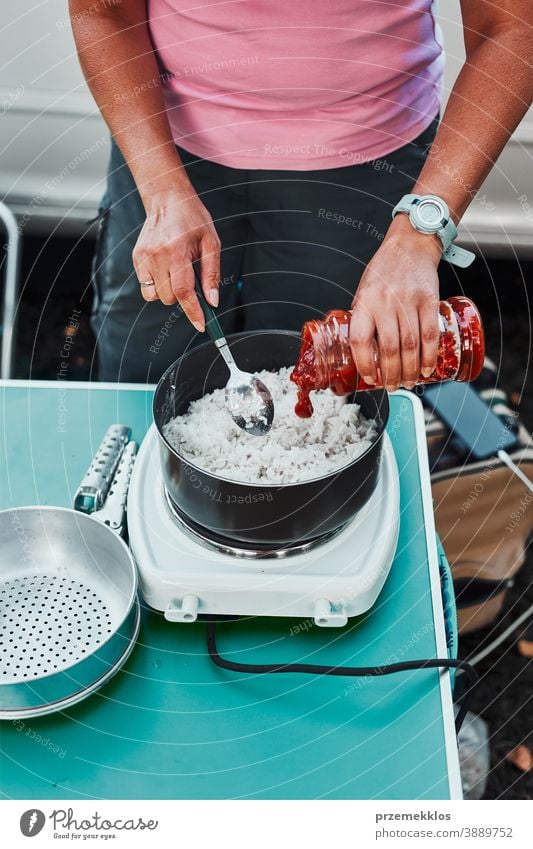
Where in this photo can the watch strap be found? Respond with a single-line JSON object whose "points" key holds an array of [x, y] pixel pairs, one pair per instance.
{"points": [[405, 203], [447, 234], [458, 256]]}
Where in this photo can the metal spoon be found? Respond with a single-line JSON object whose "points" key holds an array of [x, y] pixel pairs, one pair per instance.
{"points": [[248, 400]]}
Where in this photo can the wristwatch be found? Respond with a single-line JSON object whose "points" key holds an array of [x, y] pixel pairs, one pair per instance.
{"points": [[430, 214]]}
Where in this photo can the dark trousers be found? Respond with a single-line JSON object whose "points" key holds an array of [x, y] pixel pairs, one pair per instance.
{"points": [[294, 244]]}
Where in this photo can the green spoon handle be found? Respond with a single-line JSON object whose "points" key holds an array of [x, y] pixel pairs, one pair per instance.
{"points": [[212, 324]]}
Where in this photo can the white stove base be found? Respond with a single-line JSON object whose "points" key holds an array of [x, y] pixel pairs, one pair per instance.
{"points": [[329, 583]]}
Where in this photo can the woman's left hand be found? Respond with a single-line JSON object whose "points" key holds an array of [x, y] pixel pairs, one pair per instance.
{"points": [[394, 330]]}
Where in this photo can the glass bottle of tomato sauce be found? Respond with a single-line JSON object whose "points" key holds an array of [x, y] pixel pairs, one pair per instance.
{"points": [[325, 360]]}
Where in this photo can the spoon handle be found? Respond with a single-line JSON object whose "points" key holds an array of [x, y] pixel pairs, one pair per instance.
{"points": [[212, 324]]}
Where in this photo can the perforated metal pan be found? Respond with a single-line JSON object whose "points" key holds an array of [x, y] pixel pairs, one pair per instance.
{"points": [[69, 615]]}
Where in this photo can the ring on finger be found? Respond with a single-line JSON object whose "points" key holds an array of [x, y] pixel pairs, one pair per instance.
{"points": [[146, 283]]}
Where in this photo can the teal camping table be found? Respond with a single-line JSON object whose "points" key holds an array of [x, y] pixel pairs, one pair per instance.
{"points": [[171, 725]]}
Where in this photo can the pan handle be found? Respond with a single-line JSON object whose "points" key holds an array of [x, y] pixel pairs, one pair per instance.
{"points": [[93, 489], [113, 513]]}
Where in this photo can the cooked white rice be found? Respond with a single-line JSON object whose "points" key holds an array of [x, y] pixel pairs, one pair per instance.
{"points": [[293, 450]]}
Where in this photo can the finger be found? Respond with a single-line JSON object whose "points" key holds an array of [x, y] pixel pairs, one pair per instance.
{"points": [[148, 290], [362, 341], [388, 340], [155, 268], [409, 347], [163, 285], [145, 276], [210, 269], [182, 279], [429, 336]]}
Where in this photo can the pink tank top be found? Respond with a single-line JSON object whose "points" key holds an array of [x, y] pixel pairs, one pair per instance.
{"points": [[297, 84]]}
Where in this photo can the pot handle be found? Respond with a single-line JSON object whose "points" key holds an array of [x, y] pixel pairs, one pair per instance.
{"points": [[93, 489], [113, 513]]}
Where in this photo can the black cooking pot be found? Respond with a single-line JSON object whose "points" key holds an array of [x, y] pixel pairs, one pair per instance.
{"points": [[252, 514]]}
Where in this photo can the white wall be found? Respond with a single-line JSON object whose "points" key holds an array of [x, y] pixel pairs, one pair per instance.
{"points": [[497, 220], [55, 154]]}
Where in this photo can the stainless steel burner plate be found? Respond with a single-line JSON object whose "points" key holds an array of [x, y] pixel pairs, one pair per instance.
{"points": [[218, 543]]}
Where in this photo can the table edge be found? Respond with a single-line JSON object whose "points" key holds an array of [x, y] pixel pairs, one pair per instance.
{"points": [[74, 384], [445, 683]]}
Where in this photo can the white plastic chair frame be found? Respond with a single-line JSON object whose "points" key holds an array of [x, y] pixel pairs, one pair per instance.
{"points": [[11, 291]]}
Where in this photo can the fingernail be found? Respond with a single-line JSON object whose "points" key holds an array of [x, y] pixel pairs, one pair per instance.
{"points": [[368, 380], [199, 326], [426, 372], [408, 384], [213, 297], [390, 388]]}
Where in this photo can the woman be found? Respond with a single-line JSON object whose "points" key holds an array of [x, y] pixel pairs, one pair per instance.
{"points": [[270, 142]]}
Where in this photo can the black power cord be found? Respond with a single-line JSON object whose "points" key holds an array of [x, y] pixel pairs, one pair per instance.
{"points": [[350, 671]]}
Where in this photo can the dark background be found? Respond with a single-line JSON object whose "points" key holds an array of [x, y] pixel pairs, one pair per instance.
{"points": [[55, 274]]}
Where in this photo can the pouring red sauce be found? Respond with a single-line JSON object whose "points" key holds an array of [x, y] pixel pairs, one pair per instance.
{"points": [[325, 360], [304, 375]]}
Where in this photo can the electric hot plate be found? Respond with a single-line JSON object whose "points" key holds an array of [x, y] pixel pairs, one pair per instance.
{"points": [[184, 573]]}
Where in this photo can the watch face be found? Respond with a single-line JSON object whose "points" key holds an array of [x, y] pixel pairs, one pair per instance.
{"points": [[430, 212]]}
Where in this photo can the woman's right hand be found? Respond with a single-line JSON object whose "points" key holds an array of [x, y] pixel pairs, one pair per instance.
{"points": [[178, 231]]}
